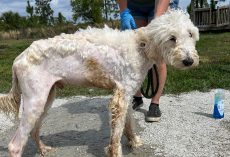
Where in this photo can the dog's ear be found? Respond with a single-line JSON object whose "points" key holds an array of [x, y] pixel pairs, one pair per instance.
{"points": [[147, 47], [143, 42]]}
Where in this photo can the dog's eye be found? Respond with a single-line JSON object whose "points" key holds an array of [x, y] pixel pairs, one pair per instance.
{"points": [[142, 45], [190, 34], [172, 38]]}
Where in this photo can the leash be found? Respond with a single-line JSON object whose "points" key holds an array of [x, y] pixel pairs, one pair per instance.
{"points": [[148, 90]]}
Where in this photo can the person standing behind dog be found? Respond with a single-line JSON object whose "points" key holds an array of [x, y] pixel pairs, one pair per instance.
{"points": [[135, 14], [174, 4]]}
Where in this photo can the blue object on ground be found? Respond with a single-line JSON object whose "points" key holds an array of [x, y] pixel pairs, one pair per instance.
{"points": [[218, 111]]}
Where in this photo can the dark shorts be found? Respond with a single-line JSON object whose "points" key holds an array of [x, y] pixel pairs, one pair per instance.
{"points": [[141, 11]]}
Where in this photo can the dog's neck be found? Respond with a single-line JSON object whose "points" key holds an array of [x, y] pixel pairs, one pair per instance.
{"points": [[147, 46]]}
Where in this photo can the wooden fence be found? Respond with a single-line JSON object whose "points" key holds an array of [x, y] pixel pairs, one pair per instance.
{"points": [[208, 19]]}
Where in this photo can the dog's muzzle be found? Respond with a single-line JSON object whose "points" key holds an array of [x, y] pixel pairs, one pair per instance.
{"points": [[188, 61]]}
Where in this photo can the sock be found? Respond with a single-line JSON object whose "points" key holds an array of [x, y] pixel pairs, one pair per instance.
{"points": [[137, 98], [154, 104]]}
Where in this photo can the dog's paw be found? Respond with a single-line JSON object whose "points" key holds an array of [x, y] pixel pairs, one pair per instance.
{"points": [[136, 142], [46, 149], [113, 151]]}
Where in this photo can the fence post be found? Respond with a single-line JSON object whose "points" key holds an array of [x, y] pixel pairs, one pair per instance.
{"points": [[193, 16], [217, 17], [229, 15], [210, 16]]}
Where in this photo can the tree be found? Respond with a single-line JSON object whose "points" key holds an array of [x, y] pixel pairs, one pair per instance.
{"points": [[88, 10], [32, 20], [196, 4], [61, 19], [44, 11], [201, 3], [12, 21], [190, 8], [2, 25], [214, 3], [30, 9], [110, 8]]}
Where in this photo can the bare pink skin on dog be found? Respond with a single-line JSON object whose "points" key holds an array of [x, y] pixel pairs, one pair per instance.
{"points": [[104, 58]]}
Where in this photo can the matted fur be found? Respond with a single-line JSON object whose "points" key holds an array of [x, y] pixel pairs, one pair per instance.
{"points": [[103, 58]]}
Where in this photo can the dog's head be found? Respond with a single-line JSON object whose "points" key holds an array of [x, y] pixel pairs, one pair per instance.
{"points": [[175, 37]]}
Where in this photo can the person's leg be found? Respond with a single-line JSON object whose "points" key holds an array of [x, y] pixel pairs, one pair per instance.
{"points": [[142, 18], [154, 113], [162, 71], [137, 99]]}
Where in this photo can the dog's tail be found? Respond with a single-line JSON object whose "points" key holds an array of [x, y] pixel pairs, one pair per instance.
{"points": [[10, 103]]}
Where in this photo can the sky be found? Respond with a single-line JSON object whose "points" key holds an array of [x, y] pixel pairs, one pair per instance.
{"points": [[19, 6], [62, 6]]}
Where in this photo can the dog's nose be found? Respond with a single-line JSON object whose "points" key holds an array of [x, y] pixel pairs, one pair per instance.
{"points": [[188, 61]]}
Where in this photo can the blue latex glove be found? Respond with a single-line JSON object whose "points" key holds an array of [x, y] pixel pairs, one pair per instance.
{"points": [[174, 4], [127, 20]]}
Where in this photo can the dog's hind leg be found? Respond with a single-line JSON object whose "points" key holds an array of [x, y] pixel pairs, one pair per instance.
{"points": [[33, 109], [118, 108], [35, 94], [43, 149], [129, 131]]}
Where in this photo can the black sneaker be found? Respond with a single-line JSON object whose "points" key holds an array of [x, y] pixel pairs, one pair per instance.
{"points": [[137, 103], [154, 113]]}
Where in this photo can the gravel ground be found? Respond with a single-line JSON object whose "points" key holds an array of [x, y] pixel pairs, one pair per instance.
{"points": [[78, 127]]}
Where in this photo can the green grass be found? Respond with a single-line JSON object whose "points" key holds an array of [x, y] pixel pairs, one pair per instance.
{"points": [[8, 51], [213, 71]]}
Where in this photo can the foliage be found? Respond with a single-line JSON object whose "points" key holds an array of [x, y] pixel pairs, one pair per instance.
{"points": [[61, 19], [2, 24], [30, 9], [110, 9], [51, 31], [12, 21], [197, 4], [41, 14], [94, 10], [44, 11], [201, 3], [88, 10], [32, 20]]}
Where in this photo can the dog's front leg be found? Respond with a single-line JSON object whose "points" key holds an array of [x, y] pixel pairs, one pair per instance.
{"points": [[118, 108], [129, 131]]}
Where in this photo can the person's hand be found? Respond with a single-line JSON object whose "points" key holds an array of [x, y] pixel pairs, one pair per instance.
{"points": [[127, 20]]}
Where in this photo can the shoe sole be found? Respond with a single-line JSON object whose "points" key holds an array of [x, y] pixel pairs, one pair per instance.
{"points": [[152, 119], [138, 107]]}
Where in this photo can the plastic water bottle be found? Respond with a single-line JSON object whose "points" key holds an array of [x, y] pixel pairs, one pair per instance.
{"points": [[218, 111]]}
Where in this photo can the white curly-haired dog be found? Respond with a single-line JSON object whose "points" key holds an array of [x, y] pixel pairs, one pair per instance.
{"points": [[104, 58]]}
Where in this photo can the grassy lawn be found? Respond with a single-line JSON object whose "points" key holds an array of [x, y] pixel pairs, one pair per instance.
{"points": [[213, 71]]}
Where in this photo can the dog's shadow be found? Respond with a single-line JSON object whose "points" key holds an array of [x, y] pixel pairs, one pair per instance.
{"points": [[204, 114], [141, 110], [73, 125]]}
